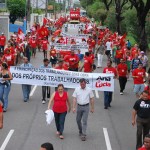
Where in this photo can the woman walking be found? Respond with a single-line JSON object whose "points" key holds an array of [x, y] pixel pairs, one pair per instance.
{"points": [[5, 85], [60, 101]]}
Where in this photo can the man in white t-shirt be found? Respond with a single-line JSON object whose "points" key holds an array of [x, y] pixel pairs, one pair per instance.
{"points": [[83, 96], [108, 48]]}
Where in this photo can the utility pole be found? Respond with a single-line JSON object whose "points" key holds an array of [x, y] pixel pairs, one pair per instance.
{"points": [[37, 3], [28, 10], [46, 8]]}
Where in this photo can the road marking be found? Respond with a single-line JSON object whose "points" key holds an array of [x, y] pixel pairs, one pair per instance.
{"points": [[96, 93], [33, 90], [7, 140], [108, 145]]}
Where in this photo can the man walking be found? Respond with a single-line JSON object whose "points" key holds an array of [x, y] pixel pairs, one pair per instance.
{"points": [[25, 87], [108, 94], [45, 89], [138, 78], [122, 70], [141, 116], [83, 97]]}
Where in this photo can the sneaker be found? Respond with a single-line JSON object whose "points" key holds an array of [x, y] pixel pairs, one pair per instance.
{"points": [[121, 93], [105, 107], [4, 110], [43, 101], [83, 138]]}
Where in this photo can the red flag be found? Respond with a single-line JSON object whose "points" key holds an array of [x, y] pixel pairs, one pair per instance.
{"points": [[20, 34], [122, 40], [45, 21]]}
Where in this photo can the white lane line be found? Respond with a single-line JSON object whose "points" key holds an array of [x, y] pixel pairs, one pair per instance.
{"points": [[96, 93], [108, 145], [7, 140], [33, 90]]}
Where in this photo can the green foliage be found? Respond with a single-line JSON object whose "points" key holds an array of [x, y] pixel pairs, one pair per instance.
{"points": [[110, 21], [16, 7], [3, 10], [131, 38], [130, 23], [38, 11]]}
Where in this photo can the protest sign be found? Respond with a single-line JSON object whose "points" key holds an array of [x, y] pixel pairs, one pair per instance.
{"points": [[53, 77]]}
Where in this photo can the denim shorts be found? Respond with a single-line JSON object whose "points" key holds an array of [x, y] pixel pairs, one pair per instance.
{"points": [[138, 88]]}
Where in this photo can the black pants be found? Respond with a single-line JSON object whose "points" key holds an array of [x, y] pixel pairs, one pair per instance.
{"points": [[1, 49], [60, 121], [122, 82], [143, 128], [73, 69], [45, 53], [44, 90]]}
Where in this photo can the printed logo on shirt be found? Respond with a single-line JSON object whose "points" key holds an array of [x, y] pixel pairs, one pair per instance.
{"points": [[143, 105]]}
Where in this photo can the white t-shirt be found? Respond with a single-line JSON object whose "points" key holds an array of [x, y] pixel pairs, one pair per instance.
{"points": [[83, 95], [108, 45]]}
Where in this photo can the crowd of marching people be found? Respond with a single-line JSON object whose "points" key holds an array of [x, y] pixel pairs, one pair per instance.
{"points": [[124, 61]]}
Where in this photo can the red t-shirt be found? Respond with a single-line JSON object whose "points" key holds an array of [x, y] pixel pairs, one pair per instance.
{"points": [[110, 70], [88, 64], [119, 54], [9, 58], [44, 44], [60, 105], [72, 60], [53, 52], [142, 148], [2, 40], [33, 43], [140, 73], [64, 67], [122, 70], [1, 109]]}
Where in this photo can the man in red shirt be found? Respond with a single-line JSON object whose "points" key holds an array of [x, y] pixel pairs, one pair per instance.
{"points": [[88, 61], [73, 61], [1, 116], [61, 40], [138, 78], [45, 43], [107, 94], [119, 55], [33, 45], [123, 74], [2, 42], [61, 65], [146, 145]]}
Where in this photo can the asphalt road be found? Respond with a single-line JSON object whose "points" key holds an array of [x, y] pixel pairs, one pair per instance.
{"points": [[107, 129]]}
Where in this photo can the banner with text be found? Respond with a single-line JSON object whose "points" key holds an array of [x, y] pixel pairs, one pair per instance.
{"points": [[68, 47], [53, 77]]}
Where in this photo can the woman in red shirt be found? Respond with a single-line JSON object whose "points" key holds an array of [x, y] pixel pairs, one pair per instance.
{"points": [[60, 101], [1, 117]]}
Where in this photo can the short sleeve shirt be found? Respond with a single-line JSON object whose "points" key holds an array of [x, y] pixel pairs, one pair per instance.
{"points": [[83, 95], [143, 108]]}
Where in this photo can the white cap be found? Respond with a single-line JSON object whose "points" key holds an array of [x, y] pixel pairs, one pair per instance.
{"points": [[2, 33]]}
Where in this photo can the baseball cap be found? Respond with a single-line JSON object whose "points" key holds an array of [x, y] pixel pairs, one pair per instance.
{"points": [[142, 52]]}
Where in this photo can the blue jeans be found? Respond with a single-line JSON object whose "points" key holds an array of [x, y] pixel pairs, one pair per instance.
{"points": [[26, 91], [107, 98], [60, 121], [4, 92]]}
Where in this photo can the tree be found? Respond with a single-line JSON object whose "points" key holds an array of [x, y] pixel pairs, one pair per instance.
{"points": [[142, 8], [17, 9], [119, 4]]}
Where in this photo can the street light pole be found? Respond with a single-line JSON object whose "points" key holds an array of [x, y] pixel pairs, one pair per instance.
{"points": [[46, 8]]}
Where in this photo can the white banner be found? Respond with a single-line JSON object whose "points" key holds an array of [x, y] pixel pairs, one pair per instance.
{"points": [[68, 47], [53, 77], [74, 36]]}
